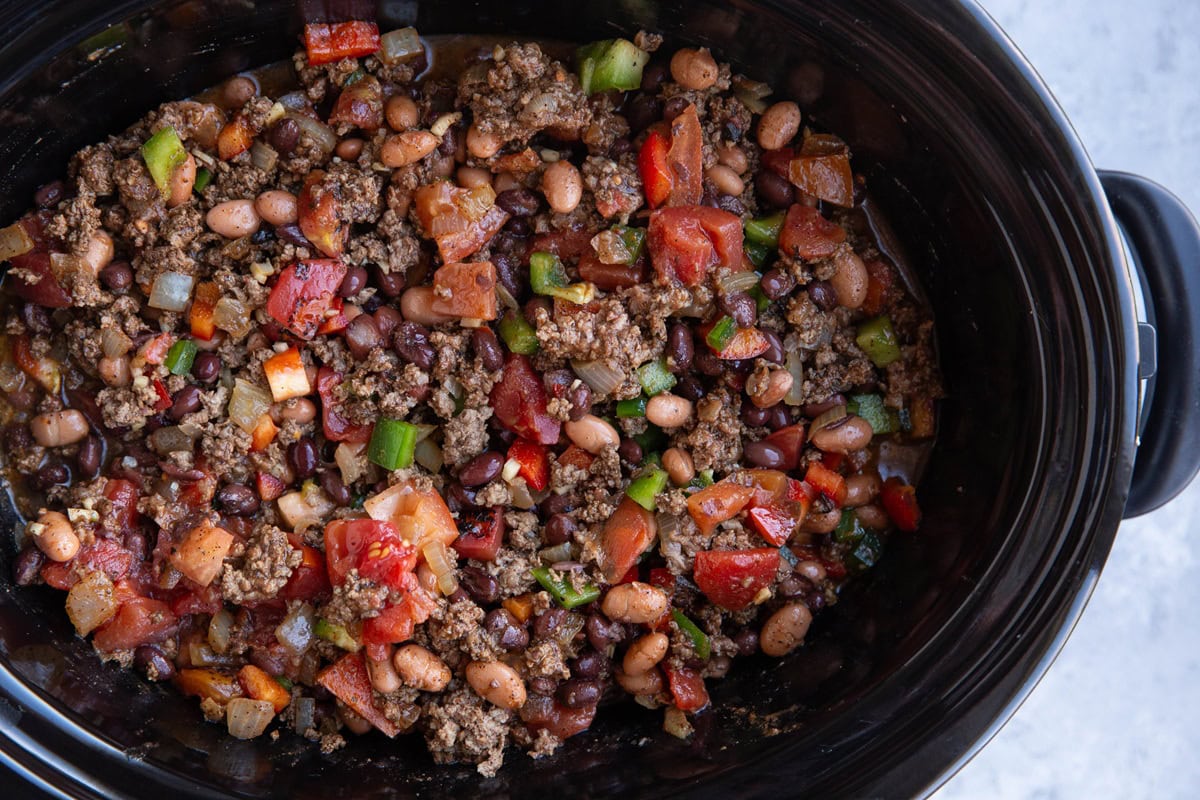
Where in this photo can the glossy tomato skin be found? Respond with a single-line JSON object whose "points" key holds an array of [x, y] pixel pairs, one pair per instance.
{"points": [[687, 688], [335, 426], [465, 290], [328, 42], [482, 533], [303, 293], [372, 547], [685, 242], [627, 534], [808, 235], [138, 621], [103, 554], [900, 501], [652, 164], [534, 463], [713, 505], [519, 402], [732, 578]]}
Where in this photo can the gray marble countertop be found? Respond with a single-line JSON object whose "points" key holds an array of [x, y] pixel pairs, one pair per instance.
{"points": [[1118, 714]]}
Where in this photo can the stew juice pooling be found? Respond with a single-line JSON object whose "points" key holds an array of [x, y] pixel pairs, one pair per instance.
{"points": [[349, 397]]}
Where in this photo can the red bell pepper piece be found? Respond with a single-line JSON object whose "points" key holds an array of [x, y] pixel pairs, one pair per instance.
{"points": [[714, 504], [826, 482], [348, 681], [519, 402], [481, 532], [790, 441], [627, 534], [138, 621], [900, 501], [652, 163], [304, 292], [164, 397], [732, 579], [687, 688], [773, 523], [336, 428], [534, 461], [327, 42]]}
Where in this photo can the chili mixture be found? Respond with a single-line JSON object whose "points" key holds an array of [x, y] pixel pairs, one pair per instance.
{"points": [[458, 395]]}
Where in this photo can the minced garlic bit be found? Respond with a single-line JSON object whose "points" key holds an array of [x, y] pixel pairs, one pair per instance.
{"points": [[83, 515]]}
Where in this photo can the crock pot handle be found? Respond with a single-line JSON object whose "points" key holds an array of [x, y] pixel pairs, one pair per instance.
{"points": [[1165, 243]]}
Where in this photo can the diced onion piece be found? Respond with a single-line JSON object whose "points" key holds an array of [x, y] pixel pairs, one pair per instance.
{"points": [[11, 378], [795, 367], [675, 722], [552, 555], [114, 343], [570, 627], [601, 376], [611, 248], [248, 718], [477, 202], [294, 101], [304, 714], [351, 458], [232, 316], [14, 241], [171, 291], [506, 297], [399, 46], [753, 94], [263, 156], [91, 603], [296, 631], [247, 403], [669, 526], [522, 498], [732, 282], [171, 439], [306, 507], [441, 561], [201, 654], [825, 420], [220, 630], [321, 134], [429, 455]]}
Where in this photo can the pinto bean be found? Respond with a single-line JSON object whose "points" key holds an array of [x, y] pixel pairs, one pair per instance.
{"points": [[844, 436], [183, 179], [694, 69], [115, 371], [851, 279], [668, 410], [277, 207], [778, 125], [592, 433], [482, 145], [563, 186], [383, 674], [861, 489], [497, 682], [872, 515], [679, 465], [645, 653], [349, 149], [732, 156], [785, 629], [409, 147], [473, 177], [233, 219], [59, 428], [54, 536], [401, 112], [726, 180], [416, 304], [773, 389], [421, 669], [821, 523], [649, 682], [635, 602]]}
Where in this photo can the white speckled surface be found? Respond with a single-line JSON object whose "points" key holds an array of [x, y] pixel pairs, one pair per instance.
{"points": [[1118, 715]]}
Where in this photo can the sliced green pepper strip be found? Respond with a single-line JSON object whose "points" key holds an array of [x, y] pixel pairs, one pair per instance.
{"points": [[644, 489], [631, 408], [203, 177], [634, 240], [655, 377], [761, 301], [563, 592], [392, 443], [878, 340], [721, 334], [866, 553], [180, 357], [163, 153], [849, 530], [765, 230], [871, 408], [548, 277], [651, 439], [518, 335], [284, 682], [757, 253], [611, 64], [336, 634], [706, 477], [699, 638]]}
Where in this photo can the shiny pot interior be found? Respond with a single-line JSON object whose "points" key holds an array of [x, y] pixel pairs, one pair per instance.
{"points": [[995, 206]]}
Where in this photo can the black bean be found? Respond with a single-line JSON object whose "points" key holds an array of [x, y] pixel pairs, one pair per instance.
{"points": [[653, 76], [754, 416], [186, 401], [602, 632], [548, 622], [779, 417], [303, 456], [680, 347], [558, 530], [542, 685], [707, 363], [206, 367], [87, 460], [590, 664], [794, 586], [481, 469], [450, 139], [458, 596], [238, 500], [642, 112], [689, 388], [262, 236], [531, 309], [773, 189], [353, 283], [117, 276], [411, 342], [506, 631], [815, 600], [284, 136], [823, 295], [386, 318], [580, 397], [619, 147], [518, 226], [52, 475], [741, 307], [363, 336], [35, 318], [292, 234], [579, 693], [674, 107], [763, 454], [482, 587], [390, 284], [774, 352], [487, 347], [50, 194], [510, 275], [746, 641], [777, 284], [630, 451], [331, 482], [518, 202], [151, 661], [459, 496], [731, 204], [815, 410], [27, 566], [557, 504]]}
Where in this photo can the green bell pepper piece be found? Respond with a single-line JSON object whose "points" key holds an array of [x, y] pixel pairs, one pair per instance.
{"points": [[765, 230], [866, 553], [757, 253], [548, 277], [849, 530], [163, 153], [203, 178], [721, 334], [565, 594], [180, 357], [699, 638], [761, 301], [631, 408], [518, 335], [645, 488], [871, 408], [651, 439], [284, 682], [392, 443], [336, 634], [634, 240], [878, 340], [655, 377], [611, 64]]}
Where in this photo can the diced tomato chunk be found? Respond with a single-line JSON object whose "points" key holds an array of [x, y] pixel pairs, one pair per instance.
{"points": [[328, 42], [685, 242], [372, 547], [519, 402], [685, 159], [334, 425], [32, 278], [200, 316], [790, 441], [900, 501], [627, 534], [714, 504], [460, 220], [103, 554], [577, 457], [319, 215], [826, 176], [687, 688], [732, 579], [533, 463], [419, 514], [235, 138], [348, 681], [308, 580], [303, 293], [827, 482], [808, 235], [482, 533], [465, 290], [746, 343], [122, 504], [138, 621], [360, 105]]}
